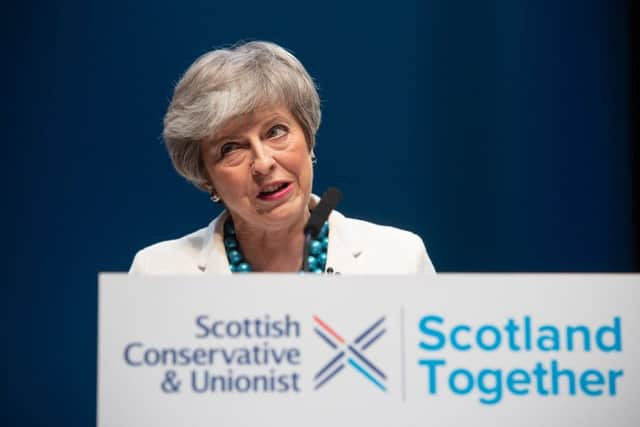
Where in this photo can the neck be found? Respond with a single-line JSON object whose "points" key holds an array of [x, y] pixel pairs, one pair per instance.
{"points": [[277, 250]]}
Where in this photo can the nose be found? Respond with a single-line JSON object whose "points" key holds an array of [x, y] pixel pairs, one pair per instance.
{"points": [[263, 160]]}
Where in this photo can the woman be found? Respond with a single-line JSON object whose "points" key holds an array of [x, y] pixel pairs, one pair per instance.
{"points": [[241, 126]]}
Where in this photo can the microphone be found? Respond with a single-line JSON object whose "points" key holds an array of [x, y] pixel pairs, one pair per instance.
{"points": [[319, 216]]}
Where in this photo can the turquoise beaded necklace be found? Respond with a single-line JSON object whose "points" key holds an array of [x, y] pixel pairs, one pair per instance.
{"points": [[317, 250]]}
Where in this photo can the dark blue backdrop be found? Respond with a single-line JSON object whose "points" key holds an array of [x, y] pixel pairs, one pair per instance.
{"points": [[498, 131]]}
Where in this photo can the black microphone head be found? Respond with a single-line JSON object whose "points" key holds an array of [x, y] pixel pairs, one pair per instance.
{"points": [[320, 213], [332, 196]]}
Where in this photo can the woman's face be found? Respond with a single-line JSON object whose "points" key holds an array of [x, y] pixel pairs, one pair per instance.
{"points": [[260, 167]]}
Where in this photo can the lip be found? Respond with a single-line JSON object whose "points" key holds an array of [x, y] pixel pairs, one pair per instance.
{"points": [[280, 194]]}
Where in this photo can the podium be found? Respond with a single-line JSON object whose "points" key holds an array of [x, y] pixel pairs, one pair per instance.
{"points": [[292, 350]]}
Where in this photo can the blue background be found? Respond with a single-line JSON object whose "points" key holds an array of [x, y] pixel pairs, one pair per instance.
{"points": [[501, 132]]}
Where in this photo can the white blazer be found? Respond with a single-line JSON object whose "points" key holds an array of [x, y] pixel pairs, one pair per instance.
{"points": [[355, 247]]}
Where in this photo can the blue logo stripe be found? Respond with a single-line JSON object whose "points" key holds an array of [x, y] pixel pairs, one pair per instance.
{"points": [[371, 328], [366, 374], [328, 365], [374, 339], [369, 364], [325, 338], [328, 377]]}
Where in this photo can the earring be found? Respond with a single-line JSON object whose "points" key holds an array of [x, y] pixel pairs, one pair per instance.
{"points": [[314, 159], [214, 197]]}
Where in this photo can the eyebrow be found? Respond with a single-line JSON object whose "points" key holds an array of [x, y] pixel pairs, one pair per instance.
{"points": [[275, 118], [267, 122]]}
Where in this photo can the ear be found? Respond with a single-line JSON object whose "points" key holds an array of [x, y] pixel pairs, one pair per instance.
{"points": [[208, 187], [213, 195]]}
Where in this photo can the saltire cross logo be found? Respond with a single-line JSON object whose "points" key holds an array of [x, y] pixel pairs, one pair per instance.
{"points": [[350, 353]]}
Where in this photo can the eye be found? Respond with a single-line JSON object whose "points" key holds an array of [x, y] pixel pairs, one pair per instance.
{"points": [[277, 131], [228, 148]]}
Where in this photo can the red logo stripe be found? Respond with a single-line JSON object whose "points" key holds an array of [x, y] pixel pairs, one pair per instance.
{"points": [[328, 329]]}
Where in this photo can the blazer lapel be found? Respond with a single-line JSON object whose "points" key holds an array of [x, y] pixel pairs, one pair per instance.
{"points": [[212, 258], [343, 250]]}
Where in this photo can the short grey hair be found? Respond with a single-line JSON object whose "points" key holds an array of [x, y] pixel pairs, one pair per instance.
{"points": [[225, 83]]}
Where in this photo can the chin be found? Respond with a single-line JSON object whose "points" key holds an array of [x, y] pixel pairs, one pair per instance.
{"points": [[287, 213]]}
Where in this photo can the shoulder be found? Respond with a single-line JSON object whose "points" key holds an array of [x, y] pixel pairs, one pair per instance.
{"points": [[175, 256], [385, 249], [375, 234]]}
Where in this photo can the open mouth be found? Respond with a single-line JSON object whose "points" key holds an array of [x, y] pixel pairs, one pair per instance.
{"points": [[274, 191]]}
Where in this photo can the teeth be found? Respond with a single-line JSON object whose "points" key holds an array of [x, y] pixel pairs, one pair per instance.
{"points": [[271, 188]]}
